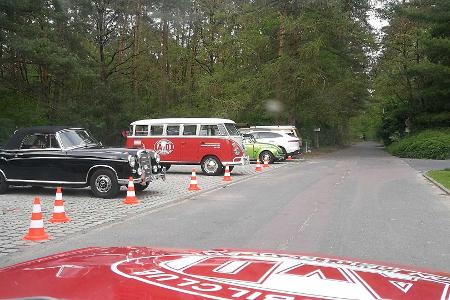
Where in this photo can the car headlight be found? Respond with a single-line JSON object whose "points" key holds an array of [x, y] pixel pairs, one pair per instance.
{"points": [[132, 160]]}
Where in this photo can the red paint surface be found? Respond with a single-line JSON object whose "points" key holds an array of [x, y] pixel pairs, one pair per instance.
{"points": [[145, 273], [188, 149]]}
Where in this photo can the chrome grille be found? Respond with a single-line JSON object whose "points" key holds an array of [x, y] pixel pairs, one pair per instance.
{"points": [[145, 162]]}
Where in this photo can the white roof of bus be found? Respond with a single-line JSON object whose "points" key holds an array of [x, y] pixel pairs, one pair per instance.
{"points": [[182, 121]]}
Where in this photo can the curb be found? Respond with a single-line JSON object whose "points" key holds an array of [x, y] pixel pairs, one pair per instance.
{"points": [[436, 183]]}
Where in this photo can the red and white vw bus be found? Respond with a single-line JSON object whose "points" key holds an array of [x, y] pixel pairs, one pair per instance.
{"points": [[209, 142]]}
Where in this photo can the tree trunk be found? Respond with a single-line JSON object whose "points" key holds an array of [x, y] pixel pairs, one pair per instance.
{"points": [[164, 65]]}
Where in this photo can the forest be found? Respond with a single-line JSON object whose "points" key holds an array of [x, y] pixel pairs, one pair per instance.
{"points": [[102, 64]]}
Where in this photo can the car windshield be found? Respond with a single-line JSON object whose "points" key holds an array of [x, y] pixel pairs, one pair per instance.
{"points": [[77, 138], [249, 139], [231, 128]]}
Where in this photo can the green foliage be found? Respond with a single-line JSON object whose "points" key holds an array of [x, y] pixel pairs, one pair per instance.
{"points": [[103, 64], [431, 144]]}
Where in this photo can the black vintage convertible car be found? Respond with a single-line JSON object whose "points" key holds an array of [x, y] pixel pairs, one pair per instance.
{"points": [[66, 156]]}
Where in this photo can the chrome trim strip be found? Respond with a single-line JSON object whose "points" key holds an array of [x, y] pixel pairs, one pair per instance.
{"points": [[4, 175], [77, 158], [44, 181]]}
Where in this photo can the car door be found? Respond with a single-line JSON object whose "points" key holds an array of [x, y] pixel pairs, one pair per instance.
{"points": [[171, 145], [36, 159], [190, 144]]}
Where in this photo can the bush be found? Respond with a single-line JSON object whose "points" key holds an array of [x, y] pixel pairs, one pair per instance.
{"points": [[432, 144]]}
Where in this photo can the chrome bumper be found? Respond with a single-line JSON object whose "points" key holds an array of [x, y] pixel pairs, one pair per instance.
{"points": [[238, 161], [145, 177]]}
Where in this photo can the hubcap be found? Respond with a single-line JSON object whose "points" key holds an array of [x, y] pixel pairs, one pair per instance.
{"points": [[266, 157], [103, 183], [211, 165]]}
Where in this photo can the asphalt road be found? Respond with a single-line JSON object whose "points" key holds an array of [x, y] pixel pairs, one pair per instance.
{"points": [[359, 203]]}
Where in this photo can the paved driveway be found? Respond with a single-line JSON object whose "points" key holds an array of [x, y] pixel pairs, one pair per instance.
{"points": [[87, 212]]}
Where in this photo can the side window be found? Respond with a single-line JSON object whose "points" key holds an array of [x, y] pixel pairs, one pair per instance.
{"points": [[53, 141], [156, 130], [190, 130], [29, 142], [210, 130], [268, 135], [173, 130], [274, 135], [39, 141], [141, 130]]}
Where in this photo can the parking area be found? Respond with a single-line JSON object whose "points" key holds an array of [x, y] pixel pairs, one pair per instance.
{"points": [[87, 213]]}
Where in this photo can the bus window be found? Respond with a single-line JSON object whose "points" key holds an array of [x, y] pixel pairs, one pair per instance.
{"points": [[173, 130], [156, 130], [232, 130], [210, 130], [141, 130], [190, 130]]}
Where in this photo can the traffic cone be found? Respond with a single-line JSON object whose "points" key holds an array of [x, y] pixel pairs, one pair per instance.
{"points": [[59, 214], [193, 184], [227, 175], [36, 231], [289, 157], [131, 194], [266, 163], [258, 166]]}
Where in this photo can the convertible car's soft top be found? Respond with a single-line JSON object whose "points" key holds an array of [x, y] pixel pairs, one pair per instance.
{"points": [[17, 137], [146, 273]]}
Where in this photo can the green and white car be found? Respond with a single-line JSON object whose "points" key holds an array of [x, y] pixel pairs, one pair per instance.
{"points": [[262, 151]]}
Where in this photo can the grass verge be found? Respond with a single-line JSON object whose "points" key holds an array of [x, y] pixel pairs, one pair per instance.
{"points": [[441, 176]]}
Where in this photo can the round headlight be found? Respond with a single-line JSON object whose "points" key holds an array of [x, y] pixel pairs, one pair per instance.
{"points": [[132, 160]]}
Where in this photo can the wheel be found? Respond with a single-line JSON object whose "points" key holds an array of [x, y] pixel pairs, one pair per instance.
{"points": [[211, 166], [104, 183], [3, 184], [139, 187], [284, 152], [167, 166], [266, 155]]}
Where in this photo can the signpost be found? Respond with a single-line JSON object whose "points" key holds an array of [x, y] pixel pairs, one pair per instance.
{"points": [[317, 130]]}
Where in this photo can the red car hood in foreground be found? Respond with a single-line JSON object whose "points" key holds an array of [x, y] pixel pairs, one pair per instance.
{"points": [[145, 273]]}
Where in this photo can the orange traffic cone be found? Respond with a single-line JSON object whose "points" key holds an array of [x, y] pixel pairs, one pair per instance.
{"points": [[266, 163], [289, 157], [131, 194], [193, 184], [258, 166], [227, 175], [59, 214], [36, 231]]}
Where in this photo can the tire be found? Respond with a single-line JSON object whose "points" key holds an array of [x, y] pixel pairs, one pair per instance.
{"points": [[104, 183], [211, 166], [167, 166], [267, 154], [139, 187], [3, 184]]}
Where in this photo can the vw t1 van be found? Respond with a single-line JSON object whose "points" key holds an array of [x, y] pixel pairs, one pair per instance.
{"points": [[209, 142]]}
